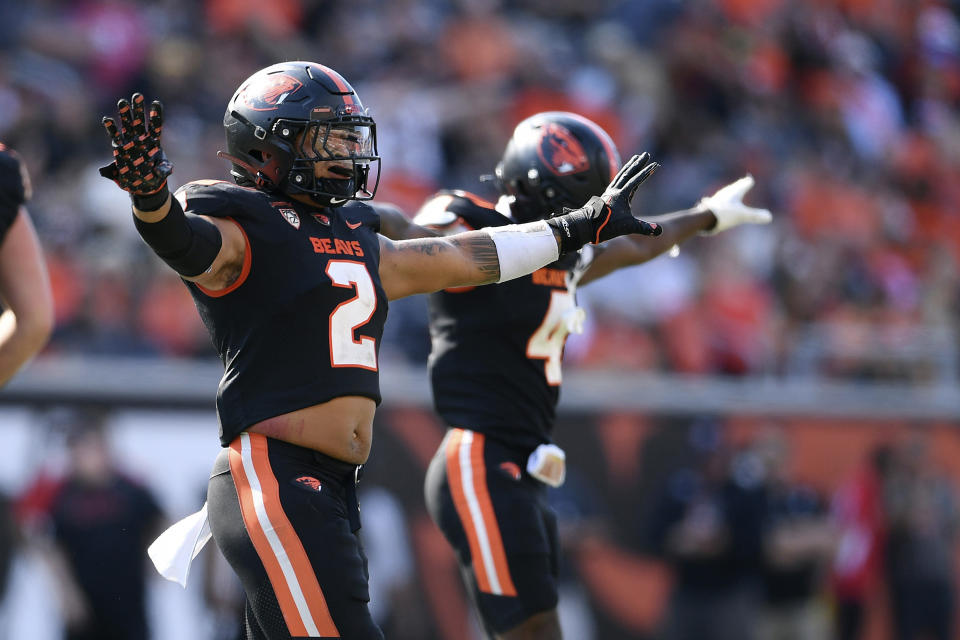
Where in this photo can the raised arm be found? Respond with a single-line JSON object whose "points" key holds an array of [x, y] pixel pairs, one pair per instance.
{"points": [[429, 264], [498, 254], [713, 214], [27, 321], [208, 251]]}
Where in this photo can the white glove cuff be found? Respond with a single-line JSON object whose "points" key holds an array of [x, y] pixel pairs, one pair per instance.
{"points": [[523, 248]]}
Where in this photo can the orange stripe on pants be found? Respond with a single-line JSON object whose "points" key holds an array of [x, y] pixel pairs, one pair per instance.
{"points": [[468, 486], [291, 575]]}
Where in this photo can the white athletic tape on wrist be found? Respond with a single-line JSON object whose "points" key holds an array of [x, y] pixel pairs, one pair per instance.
{"points": [[523, 248]]}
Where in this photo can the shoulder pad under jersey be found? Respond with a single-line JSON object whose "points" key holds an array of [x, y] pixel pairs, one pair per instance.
{"points": [[355, 211], [446, 208], [219, 198]]}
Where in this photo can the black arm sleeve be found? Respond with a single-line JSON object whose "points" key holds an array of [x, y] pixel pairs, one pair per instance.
{"points": [[186, 242]]}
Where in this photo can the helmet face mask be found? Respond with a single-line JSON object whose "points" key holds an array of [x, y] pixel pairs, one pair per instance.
{"points": [[333, 161], [299, 128], [555, 160]]}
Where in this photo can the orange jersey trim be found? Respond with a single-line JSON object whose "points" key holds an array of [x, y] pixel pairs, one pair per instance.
{"points": [[475, 199], [244, 270]]}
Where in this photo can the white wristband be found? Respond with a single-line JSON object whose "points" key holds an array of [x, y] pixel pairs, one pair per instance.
{"points": [[523, 248]]}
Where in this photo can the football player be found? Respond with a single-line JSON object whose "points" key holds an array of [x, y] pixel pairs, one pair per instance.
{"points": [[496, 356], [292, 280], [27, 318]]}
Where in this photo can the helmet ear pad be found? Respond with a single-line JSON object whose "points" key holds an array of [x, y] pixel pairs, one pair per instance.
{"points": [[275, 166], [264, 159]]}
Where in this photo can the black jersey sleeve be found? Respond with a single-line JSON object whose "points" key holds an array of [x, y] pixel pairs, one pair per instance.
{"points": [[218, 199], [445, 208], [13, 191], [354, 212]]}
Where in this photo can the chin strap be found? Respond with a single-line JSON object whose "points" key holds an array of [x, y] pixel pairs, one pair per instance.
{"points": [[259, 178]]}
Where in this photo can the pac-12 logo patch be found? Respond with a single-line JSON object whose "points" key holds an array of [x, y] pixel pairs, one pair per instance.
{"points": [[267, 93], [290, 216], [309, 483], [561, 151]]}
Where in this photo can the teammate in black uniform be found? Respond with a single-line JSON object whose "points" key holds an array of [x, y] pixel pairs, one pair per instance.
{"points": [[292, 281], [27, 318], [495, 364]]}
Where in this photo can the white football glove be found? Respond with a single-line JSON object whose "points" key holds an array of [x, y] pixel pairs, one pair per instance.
{"points": [[727, 205]]}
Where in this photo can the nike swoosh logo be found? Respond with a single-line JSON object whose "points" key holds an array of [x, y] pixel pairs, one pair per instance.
{"points": [[353, 225]]}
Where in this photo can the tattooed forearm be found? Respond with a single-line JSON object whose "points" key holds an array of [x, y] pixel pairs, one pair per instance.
{"points": [[427, 248], [477, 247], [482, 251]]}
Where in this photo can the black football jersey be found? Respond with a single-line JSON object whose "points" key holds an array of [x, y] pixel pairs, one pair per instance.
{"points": [[13, 191], [302, 324], [497, 349]]}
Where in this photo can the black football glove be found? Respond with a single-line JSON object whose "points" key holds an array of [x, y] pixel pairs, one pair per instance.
{"points": [[608, 215], [139, 165]]}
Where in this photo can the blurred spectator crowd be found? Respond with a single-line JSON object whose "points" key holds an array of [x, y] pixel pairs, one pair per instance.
{"points": [[757, 552], [845, 111], [688, 529]]}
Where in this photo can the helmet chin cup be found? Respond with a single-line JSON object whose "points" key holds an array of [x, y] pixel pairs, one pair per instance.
{"points": [[333, 193], [328, 191]]}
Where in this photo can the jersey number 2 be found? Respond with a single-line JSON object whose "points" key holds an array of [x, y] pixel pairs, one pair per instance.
{"points": [[345, 351], [547, 341]]}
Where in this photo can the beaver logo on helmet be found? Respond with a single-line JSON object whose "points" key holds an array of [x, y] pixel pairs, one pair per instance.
{"points": [[561, 152], [268, 92]]}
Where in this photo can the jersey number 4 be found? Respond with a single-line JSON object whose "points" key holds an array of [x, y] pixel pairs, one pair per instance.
{"points": [[547, 341], [345, 350]]}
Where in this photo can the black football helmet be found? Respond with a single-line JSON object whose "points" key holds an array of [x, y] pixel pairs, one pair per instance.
{"points": [[289, 117], [555, 159]]}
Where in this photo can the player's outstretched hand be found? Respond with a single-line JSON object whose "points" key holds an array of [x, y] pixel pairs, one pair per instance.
{"points": [[617, 220], [728, 208], [139, 165], [608, 215]]}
